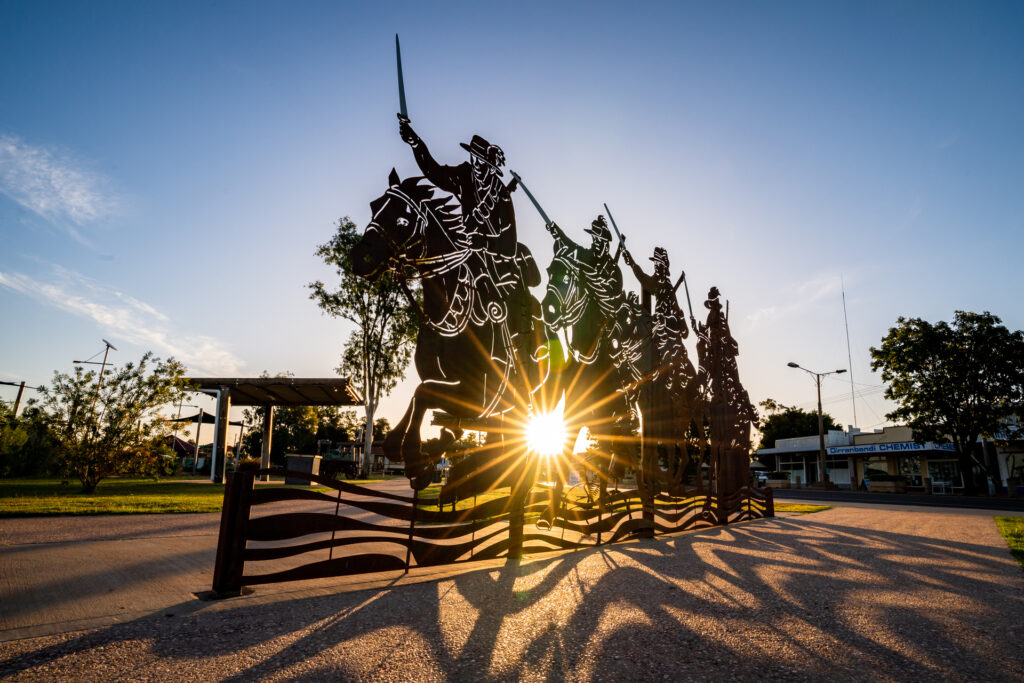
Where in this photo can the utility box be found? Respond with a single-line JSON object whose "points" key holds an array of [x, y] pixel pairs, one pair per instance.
{"points": [[307, 464]]}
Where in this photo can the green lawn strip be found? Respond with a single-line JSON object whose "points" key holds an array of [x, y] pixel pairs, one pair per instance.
{"points": [[45, 497], [1012, 529], [48, 497], [434, 490], [36, 497], [800, 508]]}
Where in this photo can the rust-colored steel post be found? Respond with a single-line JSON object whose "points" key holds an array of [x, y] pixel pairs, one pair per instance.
{"points": [[515, 529], [769, 502], [412, 527], [234, 519], [646, 511], [517, 520]]}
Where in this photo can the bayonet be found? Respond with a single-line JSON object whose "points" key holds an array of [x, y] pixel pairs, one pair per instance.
{"points": [[686, 286], [401, 81], [536, 204]]}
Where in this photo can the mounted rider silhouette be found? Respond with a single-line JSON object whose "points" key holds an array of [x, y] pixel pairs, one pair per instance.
{"points": [[599, 268], [601, 275], [504, 268], [675, 372], [669, 320]]}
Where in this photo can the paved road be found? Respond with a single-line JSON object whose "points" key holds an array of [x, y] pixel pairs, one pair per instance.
{"points": [[850, 593]]}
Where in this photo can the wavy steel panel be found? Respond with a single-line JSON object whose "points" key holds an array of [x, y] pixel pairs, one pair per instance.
{"points": [[264, 495], [619, 516], [340, 566]]}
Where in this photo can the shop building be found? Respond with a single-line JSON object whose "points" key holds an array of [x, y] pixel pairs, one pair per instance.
{"points": [[852, 456], [799, 457]]}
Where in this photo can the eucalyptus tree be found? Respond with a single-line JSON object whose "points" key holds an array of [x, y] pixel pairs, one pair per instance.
{"points": [[384, 313]]}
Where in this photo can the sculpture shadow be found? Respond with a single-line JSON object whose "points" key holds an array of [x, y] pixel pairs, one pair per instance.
{"points": [[794, 598]]}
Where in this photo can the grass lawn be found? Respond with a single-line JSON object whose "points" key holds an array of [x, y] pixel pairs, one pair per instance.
{"points": [[800, 508], [37, 497], [434, 490], [43, 497], [1012, 529]]}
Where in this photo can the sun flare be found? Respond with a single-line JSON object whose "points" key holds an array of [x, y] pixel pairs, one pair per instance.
{"points": [[546, 432]]}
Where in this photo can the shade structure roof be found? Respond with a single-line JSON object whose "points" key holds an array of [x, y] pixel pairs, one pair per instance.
{"points": [[283, 391]]}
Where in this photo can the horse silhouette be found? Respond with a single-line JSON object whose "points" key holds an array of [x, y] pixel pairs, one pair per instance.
{"points": [[598, 394], [476, 349]]}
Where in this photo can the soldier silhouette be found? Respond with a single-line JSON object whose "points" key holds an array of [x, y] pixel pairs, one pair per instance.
{"points": [[598, 267], [670, 327], [505, 268]]}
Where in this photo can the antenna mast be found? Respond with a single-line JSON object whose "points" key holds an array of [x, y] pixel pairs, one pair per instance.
{"points": [[849, 355]]}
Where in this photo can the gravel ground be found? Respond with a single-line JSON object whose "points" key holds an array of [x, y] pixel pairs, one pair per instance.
{"points": [[844, 594]]}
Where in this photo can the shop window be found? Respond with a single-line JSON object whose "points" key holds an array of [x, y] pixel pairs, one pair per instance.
{"points": [[945, 471], [791, 462], [876, 464], [910, 467]]}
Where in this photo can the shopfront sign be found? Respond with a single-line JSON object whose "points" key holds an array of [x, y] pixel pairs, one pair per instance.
{"points": [[889, 448]]}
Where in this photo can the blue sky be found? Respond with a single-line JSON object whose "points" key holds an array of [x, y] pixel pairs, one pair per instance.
{"points": [[166, 171]]}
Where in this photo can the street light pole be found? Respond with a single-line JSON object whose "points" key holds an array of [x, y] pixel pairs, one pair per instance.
{"points": [[822, 474], [822, 469]]}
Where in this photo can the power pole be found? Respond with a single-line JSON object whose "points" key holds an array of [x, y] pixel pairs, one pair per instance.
{"points": [[17, 400]]}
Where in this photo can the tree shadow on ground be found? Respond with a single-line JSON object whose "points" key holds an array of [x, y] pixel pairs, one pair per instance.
{"points": [[784, 598]]}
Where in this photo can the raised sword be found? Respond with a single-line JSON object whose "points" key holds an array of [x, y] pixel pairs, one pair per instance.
{"points": [[401, 81]]}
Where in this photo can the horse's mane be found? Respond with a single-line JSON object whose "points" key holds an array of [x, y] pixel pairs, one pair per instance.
{"points": [[440, 203]]}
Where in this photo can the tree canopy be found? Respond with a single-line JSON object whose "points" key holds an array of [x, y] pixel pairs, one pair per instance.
{"points": [[297, 429], [785, 422], [954, 382], [26, 442], [108, 427], [378, 350]]}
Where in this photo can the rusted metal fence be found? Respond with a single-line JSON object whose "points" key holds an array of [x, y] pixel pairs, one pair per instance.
{"points": [[270, 535]]}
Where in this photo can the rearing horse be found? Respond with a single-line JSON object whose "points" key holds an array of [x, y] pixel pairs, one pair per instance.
{"points": [[474, 349]]}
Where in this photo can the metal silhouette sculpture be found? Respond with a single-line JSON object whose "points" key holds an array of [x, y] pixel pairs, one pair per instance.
{"points": [[485, 341], [487, 354], [731, 413], [674, 406]]}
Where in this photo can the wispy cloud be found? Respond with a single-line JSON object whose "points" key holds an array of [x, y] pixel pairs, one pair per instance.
{"points": [[53, 185], [125, 317], [804, 295]]}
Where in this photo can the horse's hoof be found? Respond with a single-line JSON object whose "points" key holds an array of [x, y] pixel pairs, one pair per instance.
{"points": [[420, 481]]}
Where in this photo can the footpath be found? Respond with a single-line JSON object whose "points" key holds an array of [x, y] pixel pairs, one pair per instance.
{"points": [[998, 503], [859, 593]]}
